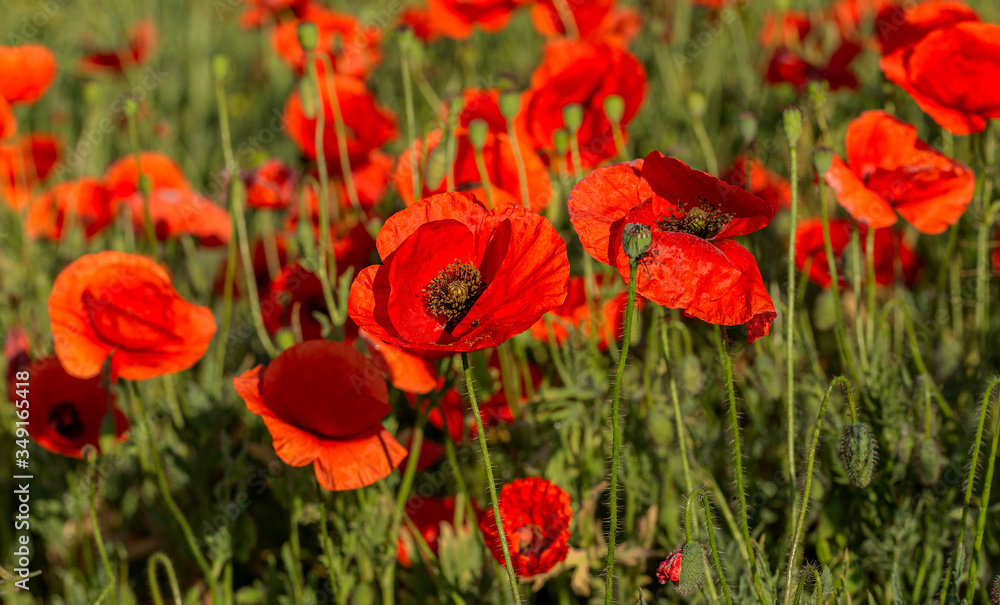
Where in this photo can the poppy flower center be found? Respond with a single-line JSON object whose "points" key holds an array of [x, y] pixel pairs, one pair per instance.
{"points": [[453, 291], [66, 420], [531, 540], [704, 221]]}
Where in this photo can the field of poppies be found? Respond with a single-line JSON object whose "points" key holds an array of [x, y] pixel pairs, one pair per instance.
{"points": [[500, 301]]}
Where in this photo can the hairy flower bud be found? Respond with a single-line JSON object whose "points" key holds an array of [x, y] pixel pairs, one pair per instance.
{"points": [[858, 454], [822, 158], [560, 141], [697, 104], [792, 119], [510, 103], [478, 129], [220, 66], [929, 461], [636, 239], [685, 567], [748, 126], [308, 35], [573, 117], [614, 108]]}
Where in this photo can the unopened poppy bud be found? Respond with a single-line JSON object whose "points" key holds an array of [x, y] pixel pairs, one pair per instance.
{"points": [[308, 35], [929, 460], [88, 453], [822, 158], [792, 118], [614, 108], [91, 93], [573, 117], [636, 239], [685, 567], [106, 438], [858, 454], [560, 141], [817, 91], [436, 167], [748, 126], [697, 104], [995, 591], [131, 107], [478, 129], [406, 39], [510, 103], [220, 66]]}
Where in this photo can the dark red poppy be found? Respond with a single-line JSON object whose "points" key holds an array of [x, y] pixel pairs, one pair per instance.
{"points": [[323, 403], [692, 264], [670, 568], [177, 212], [26, 72], [85, 202], [427, 515], [945, 70], [584, 73], [431, 452], [574, 314], [67, 412], [890, 249], [368, 125], [142, 39], [536, 515], [456, 18], [26, 161], [264, 12], [122, 177], [293, 298], [458, 276], [501, 169], [787, 66], [765, 184], [123, 303], [17, 352], [354, 50], [407, 372], [898, 27], [890, 170], [271, 186]]}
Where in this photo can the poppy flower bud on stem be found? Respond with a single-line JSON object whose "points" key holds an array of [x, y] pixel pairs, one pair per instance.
{"points": [[560, 141], [510, 103], [697, 104], [220, 67], [131, 107], [636, 239], [792, 119], [573, 117], [859, 454], [478, 129], [822, 158], [685, 567], [308, 35], [614, 108], [748, 127]]}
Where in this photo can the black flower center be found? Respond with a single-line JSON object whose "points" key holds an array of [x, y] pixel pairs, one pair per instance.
{"points": [[704, 221], [66, 420], [453, 291], [532, 541]]}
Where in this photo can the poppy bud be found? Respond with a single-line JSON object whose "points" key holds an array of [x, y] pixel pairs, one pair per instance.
{"points": [[748, 126], [510, 103], [995, 591], [792, 118], [636, 239], [88, 453], [108, 435], [308, 35], [614, 108], [858, 454], [822, 158], [307, 94], [685, 567], [220, 66], [573, 117], [817, 92], [131, 107], [560, 141], [91, 93], [697, 104], [929, 460], [406, 39], [478, 129], [436, 167]]}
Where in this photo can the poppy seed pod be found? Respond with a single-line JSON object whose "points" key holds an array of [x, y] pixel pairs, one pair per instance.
{"points": [[614, 108], [822, 158], [858, 454], [748, 126], [636, 239], [509, 103], [573, 117], [308, 35], [478, 129], [792, 120], [929, 460]]}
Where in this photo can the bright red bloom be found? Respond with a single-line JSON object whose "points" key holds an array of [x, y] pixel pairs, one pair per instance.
{"points": [[848, 15], [353, 49], [692, 264], [786, 28], [8, 122], [85, 201], [177, 212], [458, 276], [584, 73], [898, 27], [670, 568], [501, 168], [25, 162], [271, 186], [322, 402], [945, 72], [26, 72], [593, 20], [788, 66], [427, 515], [122, 177], [890, 170], [407, 372], [66, 412], [890, 248], [574, 313], [455, 18], [482, 104], [536, 515], [368, 125], [768, 186], [142, 39], [123, 303]]}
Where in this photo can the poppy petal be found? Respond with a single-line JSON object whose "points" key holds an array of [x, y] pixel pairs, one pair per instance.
{"points": [[601, 200], [862, 203]]}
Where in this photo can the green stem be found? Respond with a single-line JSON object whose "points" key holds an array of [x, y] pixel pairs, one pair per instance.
{"points": [[616, 438], [227, 313], [411, 120], [675, 401], [341, 130], [296, 572], [484, 176], [471, 392], [982, 275], [870, 258], [96, 529], [142, 184], [324, 535], [522, 172], [790, 324], [709, 526], [705, 142], [154, 584], [984, 502], [388, 583], [918, 359]]}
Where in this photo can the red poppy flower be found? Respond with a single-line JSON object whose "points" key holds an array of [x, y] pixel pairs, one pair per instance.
{"points": [[122, 177], [407, 372], [584, 73], [142, 39], [66, 412], [899, 27], [670, 568], [418, 19], [26, 72], [890, 249], [85, 201], [890, 170], [944, 73], [8, 122], [455, 18], [788, 67], [353, 50], [25, 162], [123, 303], [768, 186], [848, 15], [368, 125], [427, 515], [323, 402], [431, 452], [594, 20], [293, 298], [480, 104], [263, 12], [787, 28], [536, 515], [458, 276], [501, 169], [271, 186], [692, 264], [371, 180], [574, 313], [177, 212]]}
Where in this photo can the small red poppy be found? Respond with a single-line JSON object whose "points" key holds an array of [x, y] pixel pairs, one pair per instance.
{"points": [[418, 19], [536, 515], [293, 298], [692, 264], [407, 372], [670, 568], [787, 28], [584, 73], [456, 18], [480, 104], [765, 184], [26, 72], [889, 170], [85, 201], [323, 403], [594, 20], [458, 276], [271, 186], [142, 40], [354, 50], [26, 161], [122, 177], [899, 26], [788, 66], [123, 303], [427, 515], [890, 249], [265, 12], [945, 72], [177, 212]]}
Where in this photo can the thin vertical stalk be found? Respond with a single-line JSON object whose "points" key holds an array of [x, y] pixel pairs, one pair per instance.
{"points": [[984, 507], [339, 128], [388, 594], [411, 120], [675, 401], [522, 172], [793, 150], [870, 274], [96, 530], [142, 184]]}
